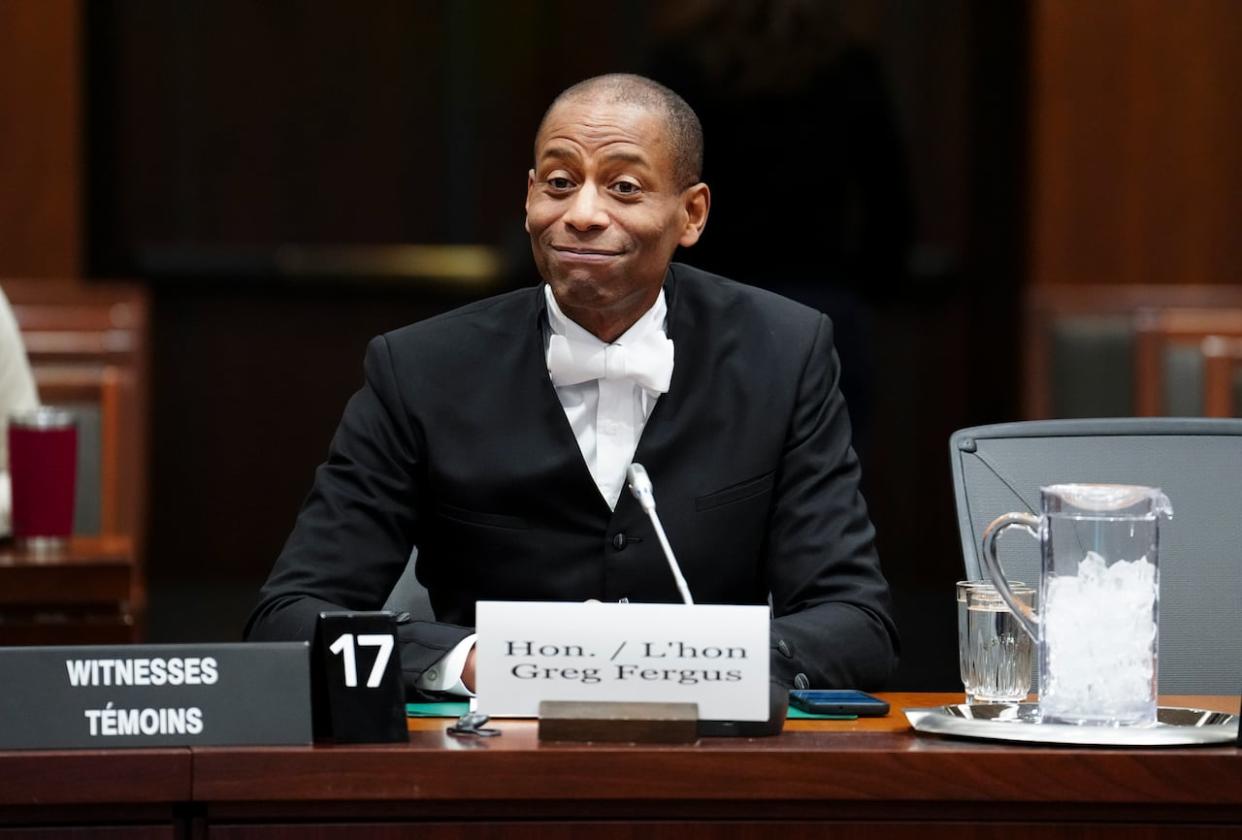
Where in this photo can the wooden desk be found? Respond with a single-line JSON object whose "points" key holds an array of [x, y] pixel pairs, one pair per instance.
{"points": [[79, 594], [867, 779], [94, 793]]}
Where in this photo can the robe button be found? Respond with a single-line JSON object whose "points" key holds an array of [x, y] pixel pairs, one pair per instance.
{"points": [[618, 542]]}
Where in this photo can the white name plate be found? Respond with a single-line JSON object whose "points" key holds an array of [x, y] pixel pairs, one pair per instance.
{"points": [[716, 656]]}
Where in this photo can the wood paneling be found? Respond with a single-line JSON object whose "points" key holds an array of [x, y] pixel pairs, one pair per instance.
{"points": [[1135, 175], [1160, 329], [40, 138], [249, 125], [1222, 361], [1048, 305]]}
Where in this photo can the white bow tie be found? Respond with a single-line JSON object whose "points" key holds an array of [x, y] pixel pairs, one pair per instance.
{"points": [[648, 361]]}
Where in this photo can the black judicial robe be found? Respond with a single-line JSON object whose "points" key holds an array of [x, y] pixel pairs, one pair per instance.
{"points": [[457, 444]]}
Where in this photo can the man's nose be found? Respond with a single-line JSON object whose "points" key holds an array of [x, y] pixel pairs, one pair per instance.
{"points": [[586, 211]]}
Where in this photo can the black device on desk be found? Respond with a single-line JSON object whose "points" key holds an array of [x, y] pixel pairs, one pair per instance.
{"points": [[778, 703], [838, 703]]}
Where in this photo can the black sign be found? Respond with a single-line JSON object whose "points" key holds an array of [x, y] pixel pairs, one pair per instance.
{"points": [[154, 695], [359, 696]]}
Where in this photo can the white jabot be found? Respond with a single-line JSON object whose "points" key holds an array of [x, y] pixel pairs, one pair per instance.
{"points": [[647, 361], [609, 390]]}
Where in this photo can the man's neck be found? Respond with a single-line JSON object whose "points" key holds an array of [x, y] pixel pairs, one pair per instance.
{"points": [[609, 324]]}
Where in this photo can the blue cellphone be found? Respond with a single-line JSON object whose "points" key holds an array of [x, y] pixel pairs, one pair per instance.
{"points": [[838, 703]]}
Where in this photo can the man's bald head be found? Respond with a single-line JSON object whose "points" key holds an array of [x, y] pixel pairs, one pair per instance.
{"points": [[684, 132]]}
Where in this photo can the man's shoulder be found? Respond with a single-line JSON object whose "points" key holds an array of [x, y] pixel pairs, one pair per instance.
{"points": [[713, 294], [504, 313]]}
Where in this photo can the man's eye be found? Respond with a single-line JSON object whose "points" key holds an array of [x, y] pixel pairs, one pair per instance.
{"points": [[560, 183], [626, 188]]}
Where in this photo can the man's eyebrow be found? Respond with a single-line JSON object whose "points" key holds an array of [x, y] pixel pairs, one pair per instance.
{"points": [[565, 153], [627, 157], [559, 153]]}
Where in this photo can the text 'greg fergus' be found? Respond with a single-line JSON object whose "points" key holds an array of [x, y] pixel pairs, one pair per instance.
{"points": [[645, 650]]}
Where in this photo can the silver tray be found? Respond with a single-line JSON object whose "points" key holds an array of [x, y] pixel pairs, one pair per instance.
{"points": [[1174, 727]]}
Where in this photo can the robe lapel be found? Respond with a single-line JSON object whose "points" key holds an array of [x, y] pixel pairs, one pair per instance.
{"points": [[559, 440], [668, 413]]}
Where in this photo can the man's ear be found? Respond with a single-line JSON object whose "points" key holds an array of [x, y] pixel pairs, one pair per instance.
{"points": [[696, 202], [530, 185]]}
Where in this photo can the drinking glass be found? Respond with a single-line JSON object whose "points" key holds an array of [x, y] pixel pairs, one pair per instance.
{"points": [[43, 457], [996, 653]]}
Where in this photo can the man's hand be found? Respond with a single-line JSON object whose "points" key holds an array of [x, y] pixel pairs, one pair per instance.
{"points": [[467, 674]]}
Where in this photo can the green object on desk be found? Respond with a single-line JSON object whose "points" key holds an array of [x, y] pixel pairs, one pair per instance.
{"points": [[453, 710], [436, 710], [798, 714]]}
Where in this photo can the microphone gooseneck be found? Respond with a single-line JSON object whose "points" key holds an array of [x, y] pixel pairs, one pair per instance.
{"points": [[640, 486]]}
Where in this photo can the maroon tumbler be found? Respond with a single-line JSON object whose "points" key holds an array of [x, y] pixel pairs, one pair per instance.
{"points": [[43, 459]]}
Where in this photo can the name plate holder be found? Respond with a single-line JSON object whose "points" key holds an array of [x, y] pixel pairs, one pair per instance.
{"points": [[359, 697], [104, 696], [630, 723], [627, 672]]}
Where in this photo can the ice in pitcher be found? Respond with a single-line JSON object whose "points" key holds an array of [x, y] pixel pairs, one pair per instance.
{"points": [[1099, 639]]}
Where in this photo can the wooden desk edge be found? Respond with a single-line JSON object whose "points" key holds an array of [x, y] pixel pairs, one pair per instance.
{"points": [[866, 760], [85, 777]]}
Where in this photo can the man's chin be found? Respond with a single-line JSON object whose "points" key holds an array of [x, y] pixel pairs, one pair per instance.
{"points": [[580, 283], [577, 292]]}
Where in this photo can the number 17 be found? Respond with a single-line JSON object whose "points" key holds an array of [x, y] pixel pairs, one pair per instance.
{"points": [[344, 645]]}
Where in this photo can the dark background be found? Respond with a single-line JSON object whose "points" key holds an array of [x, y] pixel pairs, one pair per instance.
{"points": [[908, 167]]}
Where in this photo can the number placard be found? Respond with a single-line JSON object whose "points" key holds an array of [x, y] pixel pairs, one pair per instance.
{"points": [[344, 645], [358, 693]]}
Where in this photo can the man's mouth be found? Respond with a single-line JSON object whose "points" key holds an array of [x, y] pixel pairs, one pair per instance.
{"points": [[573, 252]]}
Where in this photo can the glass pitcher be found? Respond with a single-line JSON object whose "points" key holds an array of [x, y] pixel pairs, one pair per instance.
{"points": [[1099, 594]]}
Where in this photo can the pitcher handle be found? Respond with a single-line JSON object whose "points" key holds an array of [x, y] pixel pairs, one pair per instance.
{"points": [[1026, 616]]}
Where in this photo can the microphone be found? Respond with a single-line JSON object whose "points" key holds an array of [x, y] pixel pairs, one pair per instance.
{"points": [[640, 486], [778, 695]]}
